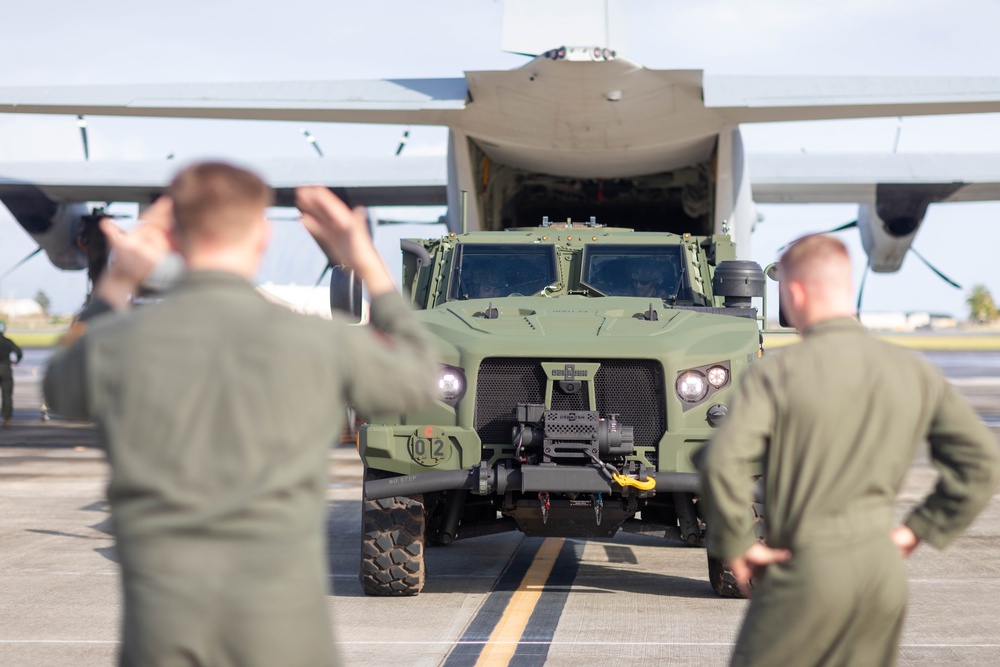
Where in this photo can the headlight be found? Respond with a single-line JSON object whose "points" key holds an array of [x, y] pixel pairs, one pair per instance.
{"points": [[718, 376], [451, 384], [691, 386]]}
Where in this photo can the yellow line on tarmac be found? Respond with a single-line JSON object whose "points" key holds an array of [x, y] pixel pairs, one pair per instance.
{"points": [[500, 647]]}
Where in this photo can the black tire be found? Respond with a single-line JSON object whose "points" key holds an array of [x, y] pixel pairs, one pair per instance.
{"points": [[721, 576], [723, 581], [392, 546]]}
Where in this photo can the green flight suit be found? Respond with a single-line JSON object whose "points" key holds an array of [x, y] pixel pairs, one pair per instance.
{"points": [[218, 409], [837, 420], [7, 347]]}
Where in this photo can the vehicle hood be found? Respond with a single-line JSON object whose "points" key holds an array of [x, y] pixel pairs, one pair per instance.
{"points": [[610, 326]]}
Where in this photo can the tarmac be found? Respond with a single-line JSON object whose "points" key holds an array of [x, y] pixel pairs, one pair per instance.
{"points": [[496, 600]]}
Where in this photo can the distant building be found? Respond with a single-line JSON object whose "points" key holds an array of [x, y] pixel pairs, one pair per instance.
{"points": [[299, 298], [907, 321], [20, 308]]}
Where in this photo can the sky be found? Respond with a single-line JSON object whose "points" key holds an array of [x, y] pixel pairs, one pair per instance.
{"points": [[52, 42]]}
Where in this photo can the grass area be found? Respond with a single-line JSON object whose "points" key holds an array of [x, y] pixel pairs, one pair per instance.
{"points": [[943, 342], [40, 338]]}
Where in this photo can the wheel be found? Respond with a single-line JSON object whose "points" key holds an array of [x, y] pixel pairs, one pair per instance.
{"points": [[392, 546], [721, 576], [722, 579]]}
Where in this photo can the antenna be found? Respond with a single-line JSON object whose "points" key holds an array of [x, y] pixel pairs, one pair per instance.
{"points": [[81, 122], [402, 142], [311, 139], [465, 220]]}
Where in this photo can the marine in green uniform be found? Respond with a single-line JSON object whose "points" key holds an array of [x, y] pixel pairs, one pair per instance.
{"points": [[836, 421], [218, 409], [7, 348]]}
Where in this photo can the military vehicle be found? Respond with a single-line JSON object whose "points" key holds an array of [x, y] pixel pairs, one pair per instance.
{"points": [[582, 367]]}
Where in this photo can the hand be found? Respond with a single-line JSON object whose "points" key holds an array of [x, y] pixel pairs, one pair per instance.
{"points": [[343, 235], [752, 561], [905, 540], [133, 255]]}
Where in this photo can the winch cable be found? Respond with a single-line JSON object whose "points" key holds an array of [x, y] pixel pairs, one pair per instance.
{"points": [[624, 480]]}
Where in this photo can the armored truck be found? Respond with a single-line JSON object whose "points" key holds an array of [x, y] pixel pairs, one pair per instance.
{"points": [[582, 367]]}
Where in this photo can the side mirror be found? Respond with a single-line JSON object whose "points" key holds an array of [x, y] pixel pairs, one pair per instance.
{"points": [[772, 272], [345, 292]]}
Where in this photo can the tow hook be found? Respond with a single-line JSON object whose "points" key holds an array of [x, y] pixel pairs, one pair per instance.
{"points": [[543, 497]]}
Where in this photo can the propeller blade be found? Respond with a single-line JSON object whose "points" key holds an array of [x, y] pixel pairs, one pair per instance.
{"points": [[846, 225], [15, 267], [931, 267], [323, 275], [861, 289]]}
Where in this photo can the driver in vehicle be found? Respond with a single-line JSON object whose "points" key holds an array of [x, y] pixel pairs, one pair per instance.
{"points": [[487, 283], [646, 282]]}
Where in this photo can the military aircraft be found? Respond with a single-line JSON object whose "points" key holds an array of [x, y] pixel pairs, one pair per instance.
{"points": [[578, 130]]}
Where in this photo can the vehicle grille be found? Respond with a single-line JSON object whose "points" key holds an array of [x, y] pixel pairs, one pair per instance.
{"points": [[632, 388]]}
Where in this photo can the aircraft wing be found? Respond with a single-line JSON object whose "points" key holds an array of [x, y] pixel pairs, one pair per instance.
{"points": [[853, 178], [738, 99], [767, 99], [387, 101], [394, 181], [893, 191]]}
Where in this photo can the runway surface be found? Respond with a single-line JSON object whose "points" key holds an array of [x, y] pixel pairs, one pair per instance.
{"points": [[497, 600]]}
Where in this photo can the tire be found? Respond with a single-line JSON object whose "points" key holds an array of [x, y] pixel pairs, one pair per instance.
{"points": [[723, 581], [721, 576], [392, 546]]}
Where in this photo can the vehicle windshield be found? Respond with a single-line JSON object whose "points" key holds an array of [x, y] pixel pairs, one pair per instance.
{"points": [[629, 270], [488, 271]]}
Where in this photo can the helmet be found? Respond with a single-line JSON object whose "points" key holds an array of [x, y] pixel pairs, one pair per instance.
{"points": [[645, 274], [3, 326], [488, 275]]}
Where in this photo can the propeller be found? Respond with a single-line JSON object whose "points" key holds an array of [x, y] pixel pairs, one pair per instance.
{"points": [[91, 239], [935, 270], [846, 225], [18, 264], [930, 266], [323, 275], [861, 288], [864, 276]]}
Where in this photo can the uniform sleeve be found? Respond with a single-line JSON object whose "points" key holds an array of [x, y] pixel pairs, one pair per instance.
{"points": [[726, 466], [968, 462], [66, 376], [66, 382], [392, 368], [17, 351]]}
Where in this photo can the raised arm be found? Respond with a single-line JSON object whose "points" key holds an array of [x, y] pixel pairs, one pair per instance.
{"points": [[394, 368], [133, 256]]}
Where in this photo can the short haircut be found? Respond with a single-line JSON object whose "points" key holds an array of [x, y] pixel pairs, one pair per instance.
{"points": [[814, 250], [216, 201]]}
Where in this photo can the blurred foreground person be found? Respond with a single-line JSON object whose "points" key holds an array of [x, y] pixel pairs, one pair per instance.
{"points": [[7, 348], [218, 409], [836, 421]]}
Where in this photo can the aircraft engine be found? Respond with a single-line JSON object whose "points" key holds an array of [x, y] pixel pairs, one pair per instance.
{"points": [[55, 227], [889, 226]]}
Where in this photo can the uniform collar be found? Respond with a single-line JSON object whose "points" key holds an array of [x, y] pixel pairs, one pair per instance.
{"points": [[202, 279], [834, 324]]}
